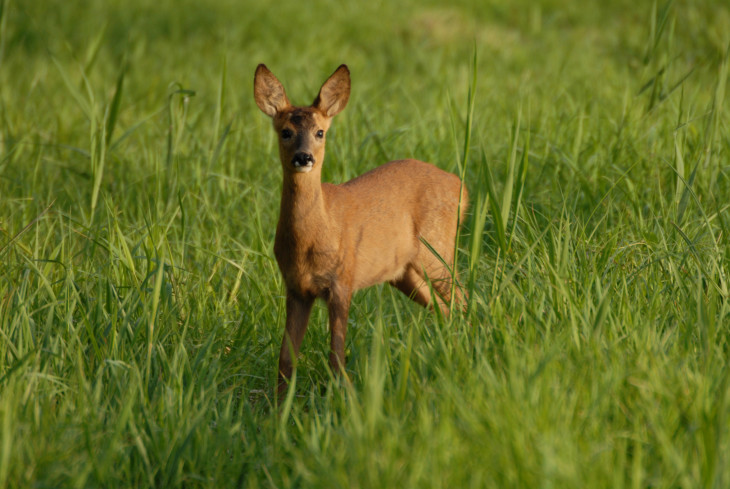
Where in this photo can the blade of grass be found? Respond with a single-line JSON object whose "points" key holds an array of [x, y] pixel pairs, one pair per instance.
{"points": [[520, 185], [509, 180], [113, 111], [494, 205]]}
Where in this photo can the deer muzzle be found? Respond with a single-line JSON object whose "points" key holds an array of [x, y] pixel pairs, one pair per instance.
{"points": [[302, 162]]}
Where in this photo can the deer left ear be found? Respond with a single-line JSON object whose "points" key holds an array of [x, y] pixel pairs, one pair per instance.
{"points": [[268, 92], [335, 92]]}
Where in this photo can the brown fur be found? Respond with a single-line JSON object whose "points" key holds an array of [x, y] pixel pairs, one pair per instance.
{"points": [[332, 240]]}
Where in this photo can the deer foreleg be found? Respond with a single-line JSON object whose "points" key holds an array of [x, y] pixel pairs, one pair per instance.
{"points": [[298, 310]]}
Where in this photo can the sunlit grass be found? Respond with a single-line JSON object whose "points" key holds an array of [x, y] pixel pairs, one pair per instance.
{"points": [[141, 308]]}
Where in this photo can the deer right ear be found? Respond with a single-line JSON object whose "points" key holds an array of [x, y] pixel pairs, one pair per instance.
{"points": [[268, 92], [335, 92]]}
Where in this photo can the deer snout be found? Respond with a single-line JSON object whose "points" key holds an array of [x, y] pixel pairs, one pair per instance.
{"points": [[302, 161]]}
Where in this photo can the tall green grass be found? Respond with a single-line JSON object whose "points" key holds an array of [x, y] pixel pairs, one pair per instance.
{"points": [[141, 309]]}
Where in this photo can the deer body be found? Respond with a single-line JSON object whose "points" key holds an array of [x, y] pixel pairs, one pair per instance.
{"points": [[332, 240]]}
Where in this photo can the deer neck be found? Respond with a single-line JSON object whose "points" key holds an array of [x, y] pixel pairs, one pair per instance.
{"points": [[303, 211]]}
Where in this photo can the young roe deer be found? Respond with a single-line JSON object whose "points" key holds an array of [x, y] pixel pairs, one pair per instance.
{"points": [[332, 240]]}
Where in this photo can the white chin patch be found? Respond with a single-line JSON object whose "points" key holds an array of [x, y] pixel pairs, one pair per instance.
{"points": [[303, 169]]}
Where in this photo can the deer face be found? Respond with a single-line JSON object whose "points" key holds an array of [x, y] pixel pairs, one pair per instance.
{"points": [[302, 134], [301, 130]]}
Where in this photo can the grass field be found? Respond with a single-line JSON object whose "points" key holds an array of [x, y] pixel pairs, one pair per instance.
{"points": [[141, 308]]}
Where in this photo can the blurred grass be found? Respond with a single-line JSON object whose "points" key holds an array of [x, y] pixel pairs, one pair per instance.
{"points": [[141, 308]]}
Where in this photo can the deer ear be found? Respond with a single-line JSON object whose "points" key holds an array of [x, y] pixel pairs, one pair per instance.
{"points": [[268, 92], [335, 92]]}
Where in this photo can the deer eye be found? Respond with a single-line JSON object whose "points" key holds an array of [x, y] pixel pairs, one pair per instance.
{"points": [[320, 134], [286, 134]]}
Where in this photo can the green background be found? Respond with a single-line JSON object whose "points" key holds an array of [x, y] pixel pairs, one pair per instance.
{"points": [[141, 308]]}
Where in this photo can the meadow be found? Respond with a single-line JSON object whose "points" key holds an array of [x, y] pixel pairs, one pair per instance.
{"points": [[141, 308]]}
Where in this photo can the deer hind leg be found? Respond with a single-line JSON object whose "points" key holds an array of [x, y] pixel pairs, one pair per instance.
{"points": [[444, 286], [443, 282], [413, 284]]}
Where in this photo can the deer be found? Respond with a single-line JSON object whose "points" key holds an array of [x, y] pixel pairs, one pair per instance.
{"points": [[332, 240]]}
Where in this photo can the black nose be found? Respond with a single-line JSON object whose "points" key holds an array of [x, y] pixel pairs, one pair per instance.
{"points": [[302, 159]]}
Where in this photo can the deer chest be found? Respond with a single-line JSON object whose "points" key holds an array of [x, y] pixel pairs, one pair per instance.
{"points": [[308, 269]]}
